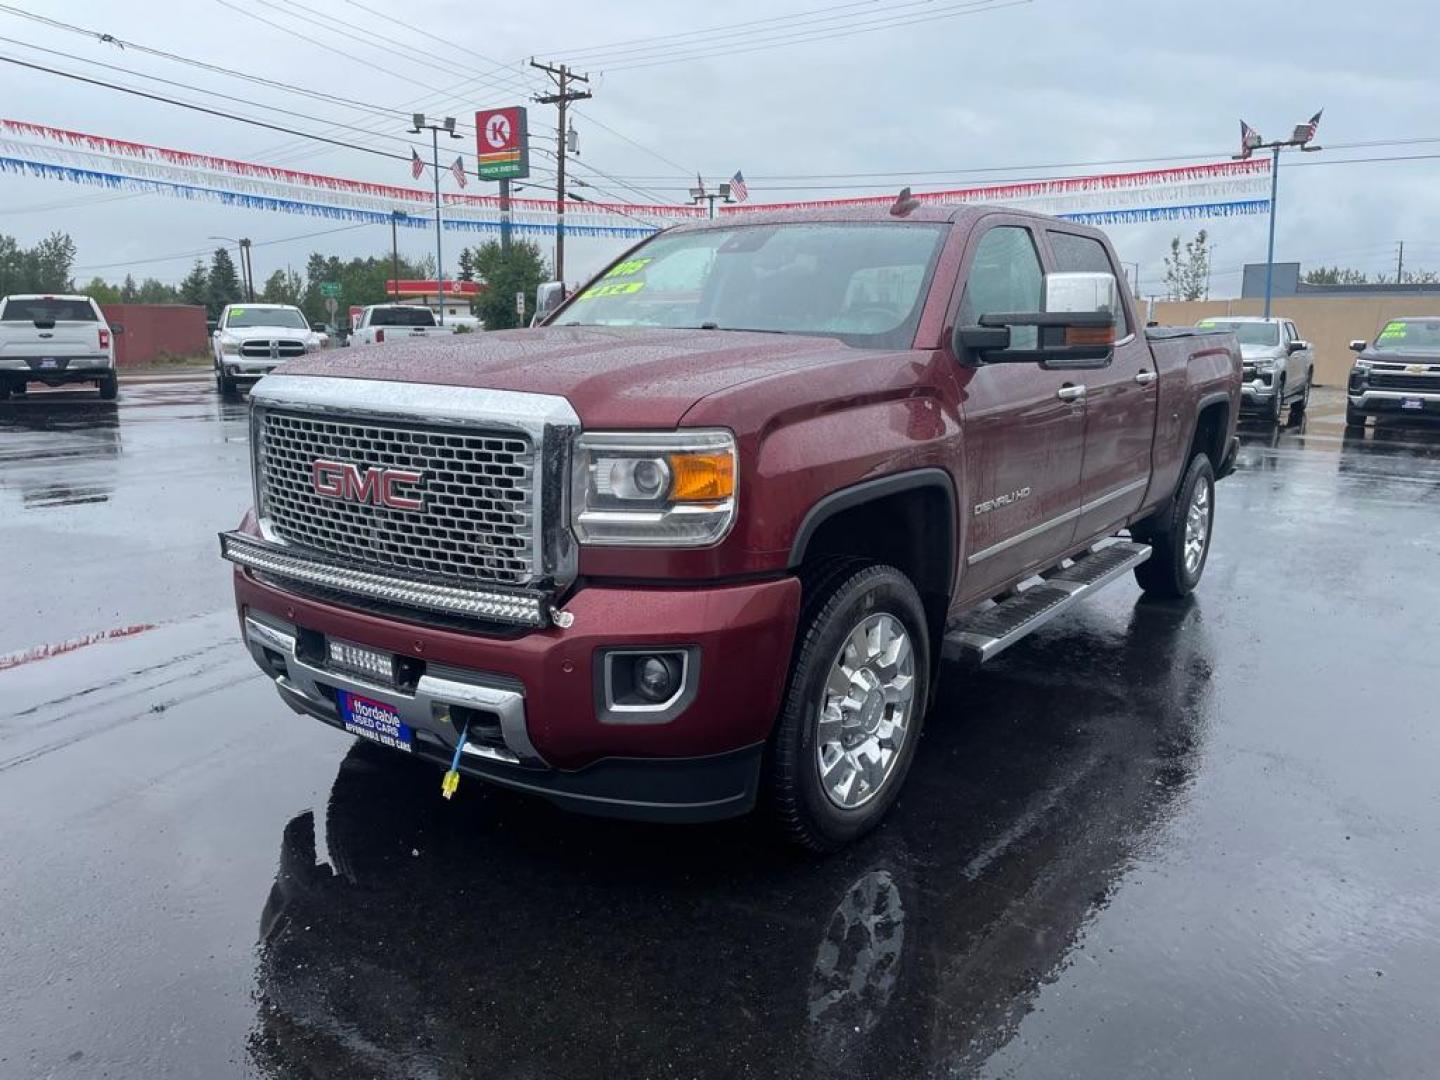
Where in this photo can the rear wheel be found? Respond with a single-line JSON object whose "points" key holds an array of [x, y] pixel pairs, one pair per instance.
{"points": [[1180, 539], [853, 707], [109, 387]]}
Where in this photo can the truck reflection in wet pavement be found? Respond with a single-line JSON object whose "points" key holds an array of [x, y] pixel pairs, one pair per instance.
{"points": [[408, 936], [78, 431]]}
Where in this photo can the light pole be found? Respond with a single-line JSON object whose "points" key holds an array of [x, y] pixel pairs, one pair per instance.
{"points": [[417, 125], [698, 194], [247, 277], [1250, 141]]}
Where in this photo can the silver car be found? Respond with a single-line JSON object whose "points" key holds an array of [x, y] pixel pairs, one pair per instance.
{"points": [[1279, 365]]}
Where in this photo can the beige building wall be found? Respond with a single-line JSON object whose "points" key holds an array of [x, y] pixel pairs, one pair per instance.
{"points": [[1329, 323]]}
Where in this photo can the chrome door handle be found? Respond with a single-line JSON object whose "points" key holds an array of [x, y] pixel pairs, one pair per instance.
{"points": [[1071, 393], [1145, 378]]}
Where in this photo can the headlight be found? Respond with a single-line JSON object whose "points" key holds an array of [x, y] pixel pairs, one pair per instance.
{"points": [[657, 489], [230, 346], [1265, 363], [1362, 366]]}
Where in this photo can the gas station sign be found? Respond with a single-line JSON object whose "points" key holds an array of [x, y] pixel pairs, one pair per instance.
{"points": [[502, 140]]}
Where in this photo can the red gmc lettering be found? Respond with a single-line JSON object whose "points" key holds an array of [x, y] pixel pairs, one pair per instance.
{"points": [[342, 480]]}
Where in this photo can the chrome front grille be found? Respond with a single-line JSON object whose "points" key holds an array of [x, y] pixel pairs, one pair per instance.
{"points": [[280, 348], [476, 521]]}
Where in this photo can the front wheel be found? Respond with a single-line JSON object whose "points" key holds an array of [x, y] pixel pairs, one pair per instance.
{"points": [[1180, 540], [1354, 418], [1300, 407], [224, 383], [853, 706], [1277, 407]]}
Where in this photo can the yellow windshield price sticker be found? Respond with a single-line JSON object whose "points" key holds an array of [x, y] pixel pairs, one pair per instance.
{"points": [[1392, 331], [615, 288], [628, 268], [1208, 324], [237, 311]]}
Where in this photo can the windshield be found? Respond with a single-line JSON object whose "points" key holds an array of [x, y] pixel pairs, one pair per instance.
{"points": [[402, 317], [42, 310], [1410, 334], [862, 283], [1247, 333], [287, 317]]}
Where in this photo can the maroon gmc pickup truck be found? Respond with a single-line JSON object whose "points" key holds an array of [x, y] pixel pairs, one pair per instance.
{"points": [[702, 539]]}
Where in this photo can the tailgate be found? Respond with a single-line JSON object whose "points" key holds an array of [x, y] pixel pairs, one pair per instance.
{"points": [[69, 338]]}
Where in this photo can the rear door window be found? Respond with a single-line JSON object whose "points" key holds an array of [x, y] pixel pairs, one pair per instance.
{"points": [[41, 309]]}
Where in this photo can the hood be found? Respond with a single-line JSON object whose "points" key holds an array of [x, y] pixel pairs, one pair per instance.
{"points": [[1415, 355], [613, 377], [1261, 352], [268, 331]]}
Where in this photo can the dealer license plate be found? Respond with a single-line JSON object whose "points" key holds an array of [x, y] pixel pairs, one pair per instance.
{"points": [[49, 362], [374, 720], [1412, 403]]}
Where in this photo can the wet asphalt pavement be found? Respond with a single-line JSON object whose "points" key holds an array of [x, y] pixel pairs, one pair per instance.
{"points": [[1196, 840]]}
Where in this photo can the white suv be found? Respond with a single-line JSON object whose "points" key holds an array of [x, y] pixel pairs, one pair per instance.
{"points": [[251, 340], [55, 340]]}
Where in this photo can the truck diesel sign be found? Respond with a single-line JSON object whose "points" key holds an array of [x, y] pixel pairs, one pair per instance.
{"points": [[502, 143]]}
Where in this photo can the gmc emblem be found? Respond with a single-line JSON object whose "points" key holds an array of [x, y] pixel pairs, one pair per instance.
{"points": [[341, 480]]}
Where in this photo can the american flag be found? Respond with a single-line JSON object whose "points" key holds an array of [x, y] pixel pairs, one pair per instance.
{"points": [[1249, 139], [416, 165], [458, 169], [1311, 126], [738, 188]]}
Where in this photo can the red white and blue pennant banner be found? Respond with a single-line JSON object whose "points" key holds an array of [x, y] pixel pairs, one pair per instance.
{"points": [[1221, 189]]}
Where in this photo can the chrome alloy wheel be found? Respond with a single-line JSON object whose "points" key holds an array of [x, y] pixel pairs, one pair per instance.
{"points": [[865, 710], [1197, 528]]}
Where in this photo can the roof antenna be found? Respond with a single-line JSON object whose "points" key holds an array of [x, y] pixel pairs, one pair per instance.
{"points": [[904, 203]]}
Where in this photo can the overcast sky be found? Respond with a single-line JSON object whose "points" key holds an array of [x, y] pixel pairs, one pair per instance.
{"points": [[1048, 81]]}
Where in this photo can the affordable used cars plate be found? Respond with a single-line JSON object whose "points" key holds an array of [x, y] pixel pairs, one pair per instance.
{"points": [[374, 720], [1412, 403]]}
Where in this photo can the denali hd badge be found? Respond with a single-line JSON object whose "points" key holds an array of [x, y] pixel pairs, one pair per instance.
{"points": [[1001, 501], [378, 487]]}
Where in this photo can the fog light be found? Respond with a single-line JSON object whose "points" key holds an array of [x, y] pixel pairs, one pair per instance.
{"points": [[656, 677]]}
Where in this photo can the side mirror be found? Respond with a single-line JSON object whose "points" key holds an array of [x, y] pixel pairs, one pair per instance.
{"points": [[117, 328], [1078, 327], [1359, 346], [548, 298], [318, 327], [1298, 346]]}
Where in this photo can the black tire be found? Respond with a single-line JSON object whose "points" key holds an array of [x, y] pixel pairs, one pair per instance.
{"points": [[1165, 574], [19, 389], [1299, 407], [4, 391], [1277, 408], [1354, 418], [225, 385], [838, 596], [109, 387]]}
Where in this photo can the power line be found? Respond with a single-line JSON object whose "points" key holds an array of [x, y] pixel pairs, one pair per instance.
{"points": [[970, 7], [206, 251]]}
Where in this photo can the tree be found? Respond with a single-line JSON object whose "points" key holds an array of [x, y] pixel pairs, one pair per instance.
{"points": [[129, 293], [467, 266], [283, 287], [1187, 272], [1335, 275], [223, 283], [153, 291], [50, 263], [101, 291], [505, 274], [196, 286]]}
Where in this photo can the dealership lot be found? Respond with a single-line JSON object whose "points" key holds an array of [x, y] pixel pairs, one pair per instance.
{"points": [[1152, 840]]}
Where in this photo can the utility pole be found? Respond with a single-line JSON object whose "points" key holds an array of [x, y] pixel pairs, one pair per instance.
{"points": [[698, 195], [562, 77], [394, 256], [247, 269], [1250, 141], [1400, 264], [505, 217], [418, 125]]}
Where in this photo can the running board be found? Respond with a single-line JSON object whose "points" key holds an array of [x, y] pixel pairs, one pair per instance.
{"points": [[984, 634]]}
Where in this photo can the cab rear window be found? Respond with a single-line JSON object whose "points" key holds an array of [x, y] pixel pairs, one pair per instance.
{"points": [[42, 310]]}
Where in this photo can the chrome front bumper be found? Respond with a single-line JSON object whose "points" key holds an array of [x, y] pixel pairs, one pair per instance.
{"points": [[1392, 398], [1253, 391], [310, 688]]}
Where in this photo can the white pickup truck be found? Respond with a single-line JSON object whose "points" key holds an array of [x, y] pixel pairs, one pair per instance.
{"points": [[251, 340], [55, 340], [380, 323]]}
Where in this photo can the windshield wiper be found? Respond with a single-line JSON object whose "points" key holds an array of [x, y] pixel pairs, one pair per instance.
{"points": [[730, 329]]}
